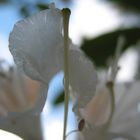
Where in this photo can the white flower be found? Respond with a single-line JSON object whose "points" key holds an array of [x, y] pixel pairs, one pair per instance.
{"points": [[126, 118], [36, 44], [24, 124], [125, 122], [113, 111], [18, 96], [17, 92]]}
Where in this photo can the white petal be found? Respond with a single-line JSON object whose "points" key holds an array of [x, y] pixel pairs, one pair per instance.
{"points": [[35, 44], [121, 136], [16, 92], [82, 78], [40, 100], [127, 116], [94, 134], [24, 124], [98, 110]]}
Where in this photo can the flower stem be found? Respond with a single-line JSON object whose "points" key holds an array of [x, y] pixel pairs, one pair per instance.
{"points": [[66, 14]]}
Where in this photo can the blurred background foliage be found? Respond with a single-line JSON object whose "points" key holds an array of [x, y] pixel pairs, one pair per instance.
{"points": [[99, 48], [59, 99], [103, 47], [126, 5]]}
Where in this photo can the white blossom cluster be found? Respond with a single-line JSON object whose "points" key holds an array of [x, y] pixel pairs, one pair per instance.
{"points": [[104, 110]]}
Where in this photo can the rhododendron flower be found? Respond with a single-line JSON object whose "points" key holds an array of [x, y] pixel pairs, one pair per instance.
{"points": [[113, 112], [17, 92], [125, 122], [36, 44], [18, 96], [126, 119]]}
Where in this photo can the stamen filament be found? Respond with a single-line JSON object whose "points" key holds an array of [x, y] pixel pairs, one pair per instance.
{"points": [[66, 14], [119, 47], [114, 70], [110, 86]]}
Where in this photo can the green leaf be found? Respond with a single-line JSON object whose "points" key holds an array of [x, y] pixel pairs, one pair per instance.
{"points": [[127, 5], [42, 6], [101, 48], [4, 1], [59, 99], [24, 11]]}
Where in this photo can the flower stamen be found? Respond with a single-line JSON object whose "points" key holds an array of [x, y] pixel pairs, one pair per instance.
{"points": [[114, 70], [66, 14]]}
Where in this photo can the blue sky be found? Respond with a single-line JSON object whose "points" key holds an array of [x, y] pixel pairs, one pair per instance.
{"points": [[9, 16]]}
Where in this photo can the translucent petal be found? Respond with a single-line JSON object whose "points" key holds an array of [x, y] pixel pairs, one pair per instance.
{"points": [[40, 100], [100, 134], [121, 136], [82, 78], [25, 125], [127, 115], [94, 134], [35, 44], [98, 110], [16, 91]]}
